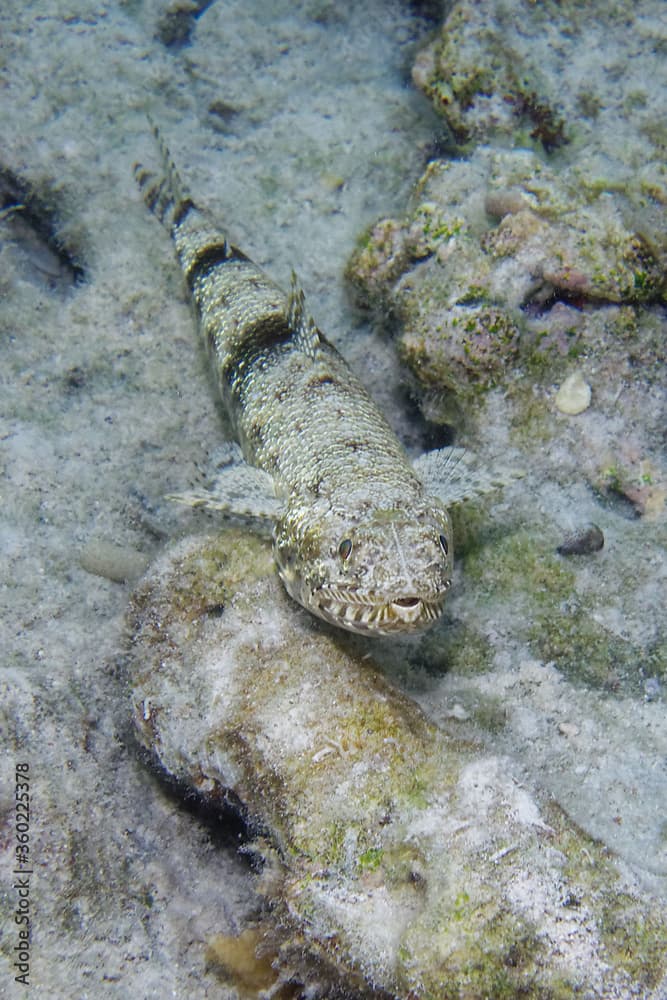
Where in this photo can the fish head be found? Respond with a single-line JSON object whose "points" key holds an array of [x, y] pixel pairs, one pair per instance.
{"points": [[379, 571]]}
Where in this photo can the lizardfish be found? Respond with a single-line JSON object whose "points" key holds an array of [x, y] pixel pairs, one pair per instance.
{"points": [[361, 535]]}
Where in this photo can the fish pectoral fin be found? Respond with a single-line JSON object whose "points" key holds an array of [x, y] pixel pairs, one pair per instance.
{"points": [[306, 335], [239, 490], [454, 475]]}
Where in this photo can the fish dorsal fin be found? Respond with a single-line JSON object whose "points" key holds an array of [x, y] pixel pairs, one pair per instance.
{"points": [[164, 192], [306, 335], [454, 475]]}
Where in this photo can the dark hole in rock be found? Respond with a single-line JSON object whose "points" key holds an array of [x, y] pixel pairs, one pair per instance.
{"points": [[31, 227]]}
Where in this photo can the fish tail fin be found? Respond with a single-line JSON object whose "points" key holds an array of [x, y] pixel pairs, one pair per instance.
{"points": [[164, 192]]}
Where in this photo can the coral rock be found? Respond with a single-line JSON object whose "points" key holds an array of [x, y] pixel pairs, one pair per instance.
{"points": [[407, 864]]}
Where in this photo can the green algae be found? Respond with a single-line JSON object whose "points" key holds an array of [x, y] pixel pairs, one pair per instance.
{"points": [[635, 941], [583, 650], [542, 356], [504, 960], [206, 578], [520, 561], [431, 225], [371, 859], [490, 714], [379, 258], [457, 648], [557, 622], [634, 938], [588, 653]]}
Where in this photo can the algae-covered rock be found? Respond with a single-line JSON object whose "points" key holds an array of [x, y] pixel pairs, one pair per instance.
{"points": [[505, 268], [485, 80], [574, 396], [403, 862], [516, 260], [549, 73]]}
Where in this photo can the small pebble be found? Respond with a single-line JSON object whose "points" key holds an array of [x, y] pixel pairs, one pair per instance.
{"points": [[568, 729], [574, 395], [458, 712], [582, 542], [506, 201], [114, 562], [651, 688]]}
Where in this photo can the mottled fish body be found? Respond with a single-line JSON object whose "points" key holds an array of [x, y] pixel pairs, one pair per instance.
{"points": [[362, 537]]}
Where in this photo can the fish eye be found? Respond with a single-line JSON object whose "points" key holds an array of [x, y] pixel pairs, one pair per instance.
{"points": [[345, 548], [444, 544]]}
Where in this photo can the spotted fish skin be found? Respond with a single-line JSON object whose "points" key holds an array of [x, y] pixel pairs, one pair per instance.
{"points": [[362, 537]]}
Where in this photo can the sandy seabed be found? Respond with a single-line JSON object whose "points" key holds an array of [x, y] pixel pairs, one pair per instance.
{"points": [[298, 126]]}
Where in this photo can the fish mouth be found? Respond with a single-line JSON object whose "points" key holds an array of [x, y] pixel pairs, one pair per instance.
{"points": [[373, 615]]}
